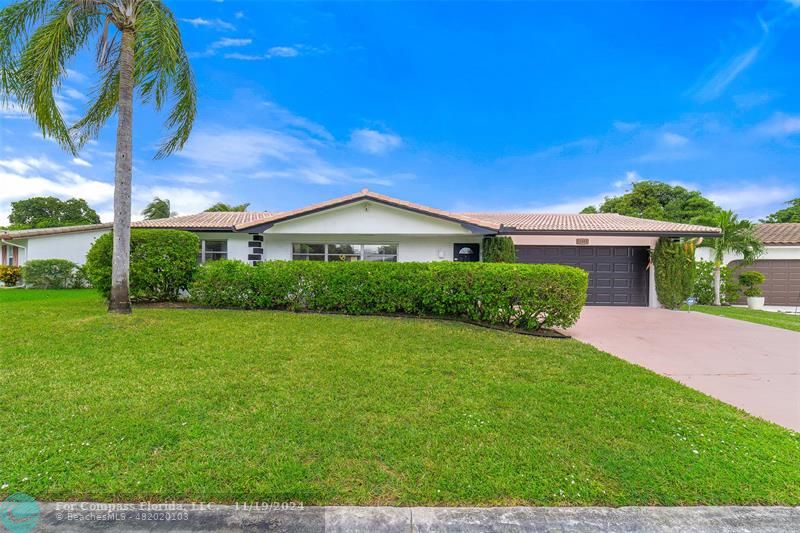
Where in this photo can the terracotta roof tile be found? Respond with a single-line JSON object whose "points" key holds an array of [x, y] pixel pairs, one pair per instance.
{"points": [[600, 222], [204, 220], [37, 232], [786, 234]]}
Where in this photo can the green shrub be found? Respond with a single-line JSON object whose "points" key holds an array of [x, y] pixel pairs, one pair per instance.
{"points": [[499, 250], [751, 281], [162, 263], [674, 264], [10, 275], [704, 284], [522, 296], [53, 274]]}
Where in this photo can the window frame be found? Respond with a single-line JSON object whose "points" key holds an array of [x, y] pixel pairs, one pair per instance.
{"points": [[203, 258], [362, 254]]}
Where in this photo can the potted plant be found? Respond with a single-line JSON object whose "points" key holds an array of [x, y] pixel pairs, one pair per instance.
{"points": [[751, 281]]}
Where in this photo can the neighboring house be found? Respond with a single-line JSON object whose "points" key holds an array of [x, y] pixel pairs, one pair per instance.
{"points": [[367, 226], [780, 262]]}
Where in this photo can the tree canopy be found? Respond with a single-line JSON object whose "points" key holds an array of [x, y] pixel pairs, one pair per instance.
{"points": [[158, 208], [51, 212], [787, 214], [221, 206], [659, 201]]}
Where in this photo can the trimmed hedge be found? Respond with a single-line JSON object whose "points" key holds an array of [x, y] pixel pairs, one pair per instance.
{"points": [[53, 274], [499, 250], [162, 263], [521, 296]]}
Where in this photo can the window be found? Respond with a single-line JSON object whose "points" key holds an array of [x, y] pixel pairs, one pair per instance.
{"points": [[344, 252], [213, 250]]}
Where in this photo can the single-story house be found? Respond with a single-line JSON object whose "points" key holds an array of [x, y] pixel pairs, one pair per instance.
{"points": [[780, 262], [368, 226]]}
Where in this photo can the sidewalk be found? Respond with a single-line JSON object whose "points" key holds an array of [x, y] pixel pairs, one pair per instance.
{"points": [[76, 516]]}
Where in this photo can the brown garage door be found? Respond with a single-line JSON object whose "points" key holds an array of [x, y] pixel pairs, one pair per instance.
{"points": [[782, 286], [617, 274]]}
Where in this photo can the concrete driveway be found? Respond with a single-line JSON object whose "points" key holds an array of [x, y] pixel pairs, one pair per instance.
{"points": [[754, 367]]}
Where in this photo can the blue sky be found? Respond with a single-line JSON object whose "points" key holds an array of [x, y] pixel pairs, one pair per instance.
{"points": [[465, 106]]}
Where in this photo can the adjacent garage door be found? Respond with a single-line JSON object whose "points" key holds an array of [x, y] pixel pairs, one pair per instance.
{"points": [[617, 274], [782, 286]]}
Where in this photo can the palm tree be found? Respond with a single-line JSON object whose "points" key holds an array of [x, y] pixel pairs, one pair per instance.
{"points": [[738, 237], [220, 206], [139, 47], [158, 208]]}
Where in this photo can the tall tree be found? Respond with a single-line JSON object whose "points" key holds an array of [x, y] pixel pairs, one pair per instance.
{"points": [[658, 201], [158, 208], [51, 212], [139, 46], [738, 237], [787, 214], [220, 206]]}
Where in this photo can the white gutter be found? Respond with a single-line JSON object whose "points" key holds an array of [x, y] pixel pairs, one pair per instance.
{"points": [[3, 241]]}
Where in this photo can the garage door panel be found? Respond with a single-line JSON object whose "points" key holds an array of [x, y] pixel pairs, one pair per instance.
{"points": [[782, 285], [617, 274]]}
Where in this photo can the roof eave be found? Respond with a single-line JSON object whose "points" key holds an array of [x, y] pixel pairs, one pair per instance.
{"points": [[608, 233]]}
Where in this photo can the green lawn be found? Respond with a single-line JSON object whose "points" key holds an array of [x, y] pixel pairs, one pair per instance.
{"points": [[269, 406], [768, 318]]}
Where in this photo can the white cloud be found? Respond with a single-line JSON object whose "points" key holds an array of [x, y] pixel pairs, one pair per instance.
{"points": [[81, 162], [12, 109], [284, 118], [217, 24], [374, 142], [721, 77], [282, 51], [631, 177], [244, 57], [75, 75], [227, 42], [75, 94], [673, 139], [183, 200], [748, 197], [239, 15], [780, 125]]}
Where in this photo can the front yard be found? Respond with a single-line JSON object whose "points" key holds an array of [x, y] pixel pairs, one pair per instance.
{"points": [[768, 318], [172, 404]]}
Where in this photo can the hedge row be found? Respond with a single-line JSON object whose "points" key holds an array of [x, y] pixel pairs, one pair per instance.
{"points": [[522, 296], [53, 274]]}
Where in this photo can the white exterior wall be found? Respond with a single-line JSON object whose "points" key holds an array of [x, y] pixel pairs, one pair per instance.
{"points": [[70, 246], [596, 240], [237, 242], [409, 248], [770, 252]]}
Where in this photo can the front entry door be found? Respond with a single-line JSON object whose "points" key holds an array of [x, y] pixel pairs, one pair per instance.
{"points": [[467, 253]]}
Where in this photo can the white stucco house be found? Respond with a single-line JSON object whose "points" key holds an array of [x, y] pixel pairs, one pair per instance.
{"points": [[368, 226], [780, 262]]}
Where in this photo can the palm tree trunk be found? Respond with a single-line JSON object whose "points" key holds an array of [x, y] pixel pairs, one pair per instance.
{"points": [[717, 300], [120, 301]]}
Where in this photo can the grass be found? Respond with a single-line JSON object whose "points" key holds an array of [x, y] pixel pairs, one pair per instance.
{"points": [[767, 318], [203, 405]]}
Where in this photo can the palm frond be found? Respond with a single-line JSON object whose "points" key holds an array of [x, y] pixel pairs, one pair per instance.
{"points": [[16, 22], [41, 63], [103, 104], [163, 72]]}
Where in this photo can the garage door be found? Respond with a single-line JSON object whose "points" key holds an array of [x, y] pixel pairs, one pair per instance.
{"points": [[617, 274], [782, 286]]}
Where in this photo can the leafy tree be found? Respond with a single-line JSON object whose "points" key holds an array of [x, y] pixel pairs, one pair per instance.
{"points": [[787, 214], [675, 271], [222, 207], [589, 210], [659, 201], [139, 46], [158, 208], [51, 212], [738, 237]]}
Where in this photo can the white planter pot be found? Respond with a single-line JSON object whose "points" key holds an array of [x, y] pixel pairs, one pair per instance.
{"points": [[755, 302]]}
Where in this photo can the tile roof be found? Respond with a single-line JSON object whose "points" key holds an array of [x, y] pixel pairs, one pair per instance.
{"points": [[205, 220], [495, 222], [600, 222], [366, 194], [787, 233], [37, 232]]}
